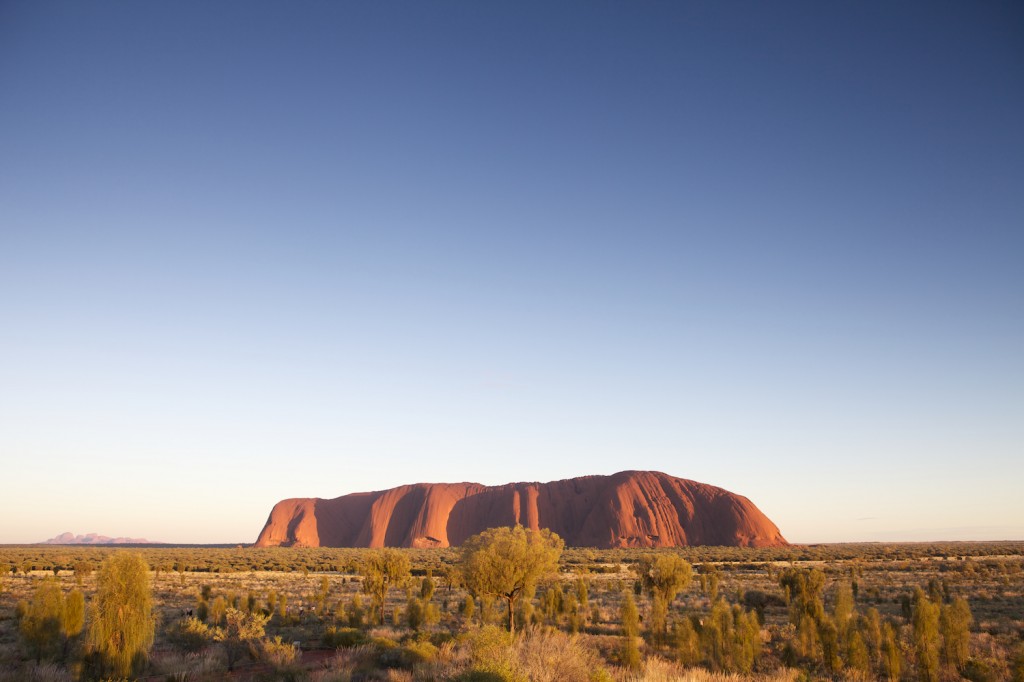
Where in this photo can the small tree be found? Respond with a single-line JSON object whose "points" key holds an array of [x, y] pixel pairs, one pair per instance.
{"points": [[663, 576], [121, 628], [891, 658], [955, 620], [42, 622], [630, 631], [926, 636], [382, 570], [508, 562]]}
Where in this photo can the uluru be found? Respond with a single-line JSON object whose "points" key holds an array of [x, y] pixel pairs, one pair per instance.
{"points": [[627, 509]]}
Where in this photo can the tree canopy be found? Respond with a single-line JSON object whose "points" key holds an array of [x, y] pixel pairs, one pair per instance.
{"points": [[508, 562], [382, 570]]}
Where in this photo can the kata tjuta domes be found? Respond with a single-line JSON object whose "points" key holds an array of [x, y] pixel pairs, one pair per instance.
{"points": [[627, 509]]}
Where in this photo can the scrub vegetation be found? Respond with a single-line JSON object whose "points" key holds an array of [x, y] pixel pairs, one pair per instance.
{"points": [[512, 604]]}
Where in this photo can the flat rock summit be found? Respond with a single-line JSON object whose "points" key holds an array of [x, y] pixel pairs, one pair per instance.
{"points": [[627, 509]]}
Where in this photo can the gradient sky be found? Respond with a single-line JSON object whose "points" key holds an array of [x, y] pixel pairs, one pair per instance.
{"points": [[251, 251]]}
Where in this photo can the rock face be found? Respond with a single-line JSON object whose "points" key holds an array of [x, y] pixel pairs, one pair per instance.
{"points": [[627, 509]]}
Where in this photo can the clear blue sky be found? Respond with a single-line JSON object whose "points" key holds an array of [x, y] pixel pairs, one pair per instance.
{"points": [[251, 251]]}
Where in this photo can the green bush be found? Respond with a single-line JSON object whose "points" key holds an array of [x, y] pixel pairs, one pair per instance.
{"points": [[335, 637], [191, 634]]}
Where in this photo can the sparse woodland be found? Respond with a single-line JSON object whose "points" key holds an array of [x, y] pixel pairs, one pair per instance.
{"points": [[941, 611]]}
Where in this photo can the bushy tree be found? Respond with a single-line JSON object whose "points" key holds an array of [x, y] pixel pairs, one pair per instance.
{"points": [[803, 588], [508, 562], [121, 627], [382, 570], [663, 576], [955, 621], [43, 621]]}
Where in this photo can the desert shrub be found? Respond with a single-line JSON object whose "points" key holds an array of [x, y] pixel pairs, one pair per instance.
{"points": [[218, 607], [467, 608], [335, 637], [730, 638], [490, 650], [191, 634], [42, 621], [759, 601], [417, 652], [36, 672], [277, 653], [202, 610], [414, 613], [978, 671], [121, 628], [857, 656], [427, 587], [804, 587], [1017, 664], [630, 617], [240, 634], [355, 612], [955, 623], [926, 637], [546, 655]]}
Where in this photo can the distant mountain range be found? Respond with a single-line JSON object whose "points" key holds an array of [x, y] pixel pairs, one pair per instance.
{"points": [[95, 539]]}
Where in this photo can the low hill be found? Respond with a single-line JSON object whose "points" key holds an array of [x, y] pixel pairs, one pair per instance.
{"points": [[94, 539]]}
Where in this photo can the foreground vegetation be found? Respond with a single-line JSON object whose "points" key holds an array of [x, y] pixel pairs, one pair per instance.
{"points": [[942, 611]]}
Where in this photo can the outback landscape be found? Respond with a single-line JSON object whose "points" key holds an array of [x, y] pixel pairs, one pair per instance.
{"points": [[509, 602], [404, 340], [928, 611]]}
